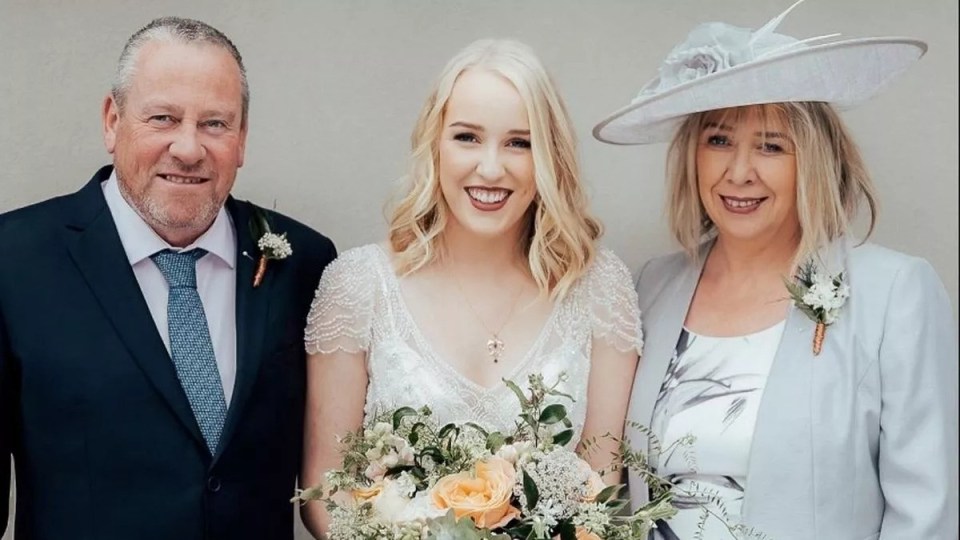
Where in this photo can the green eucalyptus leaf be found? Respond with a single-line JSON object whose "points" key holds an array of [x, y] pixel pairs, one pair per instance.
{"points": [[400, 414], [608, 492], [477, 427], [447, 430], [494, 441], [519, 393], [553, 414], [433, 453], [531, 491], [567, 530], [555, 392], [563, 437]]}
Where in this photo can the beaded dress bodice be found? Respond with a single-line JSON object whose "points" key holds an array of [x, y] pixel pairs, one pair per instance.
{"points": [[359, 307]]}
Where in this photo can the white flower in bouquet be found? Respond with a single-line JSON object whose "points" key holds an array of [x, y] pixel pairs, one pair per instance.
{"points": [[561, 480], [375, 471], [399, 503], [515, 451]]}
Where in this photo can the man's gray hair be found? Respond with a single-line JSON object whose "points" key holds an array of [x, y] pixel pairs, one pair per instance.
{"points": [[179, 30]]}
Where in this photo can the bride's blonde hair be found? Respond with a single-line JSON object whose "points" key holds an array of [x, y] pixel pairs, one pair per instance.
{"points": [[560, 232]]}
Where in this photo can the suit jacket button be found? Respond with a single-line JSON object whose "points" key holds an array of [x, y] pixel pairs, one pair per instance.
{"points": [[213, 484]]}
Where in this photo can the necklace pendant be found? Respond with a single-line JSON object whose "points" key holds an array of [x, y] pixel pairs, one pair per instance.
{"points": [[495, 348]]}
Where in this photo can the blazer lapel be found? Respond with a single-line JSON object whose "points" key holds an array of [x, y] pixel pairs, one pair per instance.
{"points": [[253, 306], [96, 249], [670, 304], [783, 450]]}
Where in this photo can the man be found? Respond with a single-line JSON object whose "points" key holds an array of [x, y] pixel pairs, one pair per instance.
{"points": [[151, 366]]}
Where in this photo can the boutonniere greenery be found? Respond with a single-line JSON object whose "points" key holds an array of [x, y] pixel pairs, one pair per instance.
{"points": [[272, 246], [820, 296]]}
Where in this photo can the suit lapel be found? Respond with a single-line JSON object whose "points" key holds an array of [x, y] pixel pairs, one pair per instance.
{"points": [[253, 305], [95, 247]]}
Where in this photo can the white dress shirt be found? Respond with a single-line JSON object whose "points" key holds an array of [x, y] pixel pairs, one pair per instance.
{"points": [[216, 277]]}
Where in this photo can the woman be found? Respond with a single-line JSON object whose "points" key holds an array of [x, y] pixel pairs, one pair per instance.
{"points": [[491, 271], [829, 413]]}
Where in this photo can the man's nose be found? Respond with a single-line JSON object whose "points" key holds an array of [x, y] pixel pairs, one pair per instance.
{"points": [[186, 145]]}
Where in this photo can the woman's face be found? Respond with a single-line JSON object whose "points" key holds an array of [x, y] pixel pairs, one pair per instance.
{"points": [[486, 164], [747, 177]]}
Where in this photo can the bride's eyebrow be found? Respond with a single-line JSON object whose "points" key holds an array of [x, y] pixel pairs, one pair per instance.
{"points": [[475, 127], [467, 125]]}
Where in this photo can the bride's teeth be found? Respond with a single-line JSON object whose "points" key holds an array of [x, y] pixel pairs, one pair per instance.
{"points": [[487, 196]]}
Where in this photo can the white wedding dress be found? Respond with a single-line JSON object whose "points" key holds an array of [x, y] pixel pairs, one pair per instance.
{"points": [[359, 307]]}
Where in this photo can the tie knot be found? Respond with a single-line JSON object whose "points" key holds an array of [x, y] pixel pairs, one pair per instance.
{"points": [[179, 268]]}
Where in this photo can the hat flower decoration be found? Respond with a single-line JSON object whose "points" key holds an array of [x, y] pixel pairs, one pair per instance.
{"points": [[720, 65]]}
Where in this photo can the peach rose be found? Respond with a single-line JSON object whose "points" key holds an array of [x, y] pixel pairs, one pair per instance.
{"points": [[583, 534], [366, 494], [483, 496]]}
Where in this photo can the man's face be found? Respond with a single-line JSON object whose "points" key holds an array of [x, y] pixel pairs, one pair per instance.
{"points": [[180, 138]]}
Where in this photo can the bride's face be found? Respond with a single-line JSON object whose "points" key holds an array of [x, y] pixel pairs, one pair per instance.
{"points": [[486, 164]]}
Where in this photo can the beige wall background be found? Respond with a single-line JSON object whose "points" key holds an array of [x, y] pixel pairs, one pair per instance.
{"points": [[336, 86]]}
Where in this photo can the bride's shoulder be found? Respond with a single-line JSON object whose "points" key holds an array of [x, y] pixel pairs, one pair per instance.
{"points": [[344, 304], [606, 270], [354, 274], [356, 262], [607, 294], [364, 254]]}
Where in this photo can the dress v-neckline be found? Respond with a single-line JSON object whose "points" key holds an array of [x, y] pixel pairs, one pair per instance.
{"points": [[434, 356]]}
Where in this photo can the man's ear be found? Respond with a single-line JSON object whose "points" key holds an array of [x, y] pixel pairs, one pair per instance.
{"points": [[243, 142], [111, 117]]}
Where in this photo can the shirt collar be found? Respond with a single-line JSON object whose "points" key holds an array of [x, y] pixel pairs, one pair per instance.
{"points": [[140, 241]]}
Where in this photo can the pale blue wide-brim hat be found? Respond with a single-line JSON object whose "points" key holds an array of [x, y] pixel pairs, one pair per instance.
{"points": [[720, 66]]}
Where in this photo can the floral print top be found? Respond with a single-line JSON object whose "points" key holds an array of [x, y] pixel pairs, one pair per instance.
{"points": [[706, 411]]}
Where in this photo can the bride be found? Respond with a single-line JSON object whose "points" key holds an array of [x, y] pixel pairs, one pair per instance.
{"points": [[491, 272]]}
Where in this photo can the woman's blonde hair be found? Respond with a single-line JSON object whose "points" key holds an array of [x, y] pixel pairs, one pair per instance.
{"points": [[560, 233], [832, 180]]}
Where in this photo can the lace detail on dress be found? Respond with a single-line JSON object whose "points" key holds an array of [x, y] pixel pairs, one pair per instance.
{"points": [[613, 304], [359, 307], [342, 308]]}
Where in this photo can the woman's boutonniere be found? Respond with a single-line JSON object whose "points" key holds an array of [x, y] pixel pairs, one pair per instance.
{"points": [[271, 245], [820, 297]]}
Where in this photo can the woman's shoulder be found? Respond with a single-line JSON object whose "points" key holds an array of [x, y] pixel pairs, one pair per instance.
{"points": [[876, 268], [880, 258]]}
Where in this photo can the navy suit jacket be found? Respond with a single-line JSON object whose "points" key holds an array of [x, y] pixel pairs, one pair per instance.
{"points": [[103, 440]]}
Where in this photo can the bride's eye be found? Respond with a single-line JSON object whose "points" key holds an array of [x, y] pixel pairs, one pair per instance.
{"points": [[465, 137], [519, 143]]}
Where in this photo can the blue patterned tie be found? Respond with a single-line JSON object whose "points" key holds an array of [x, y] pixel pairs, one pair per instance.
{"points": [[190, 345]]}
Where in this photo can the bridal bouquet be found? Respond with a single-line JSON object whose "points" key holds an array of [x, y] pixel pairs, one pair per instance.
{"points": [[404, 477]]}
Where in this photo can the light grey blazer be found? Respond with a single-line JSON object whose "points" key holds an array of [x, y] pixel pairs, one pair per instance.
{"points": [[857, 443]]}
